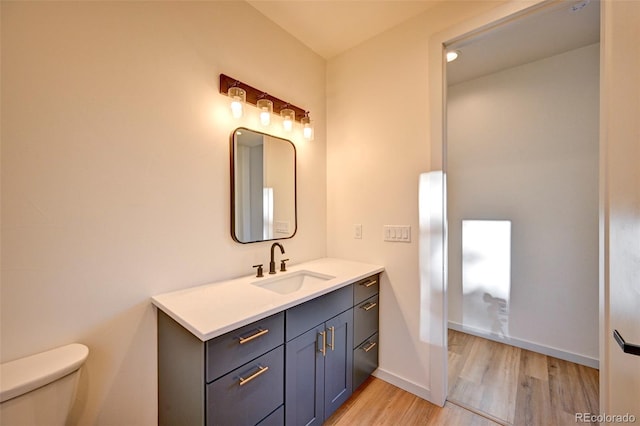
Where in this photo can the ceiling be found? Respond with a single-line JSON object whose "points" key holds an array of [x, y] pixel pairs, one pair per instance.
{"points": [[330, 27], [548, 32]]}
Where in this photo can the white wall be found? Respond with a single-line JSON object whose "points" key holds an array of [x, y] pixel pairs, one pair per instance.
{"points": [[115, 175], [523, 147], [378, 144]]}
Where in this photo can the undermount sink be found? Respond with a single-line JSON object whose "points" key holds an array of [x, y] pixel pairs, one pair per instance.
{"points": [[291, 282]]}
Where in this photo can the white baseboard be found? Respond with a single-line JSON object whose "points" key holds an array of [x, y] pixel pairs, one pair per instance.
{"points": [[525, 344], [403, 384]]}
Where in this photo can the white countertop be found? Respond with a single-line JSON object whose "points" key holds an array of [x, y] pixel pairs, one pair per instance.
{"points": [[211, 310]]}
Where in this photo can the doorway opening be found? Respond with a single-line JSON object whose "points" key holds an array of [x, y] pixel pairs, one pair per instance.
{"points": [[521, 158]]}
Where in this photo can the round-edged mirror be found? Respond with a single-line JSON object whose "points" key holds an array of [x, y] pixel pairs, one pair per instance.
{"points": [[263, 187]]}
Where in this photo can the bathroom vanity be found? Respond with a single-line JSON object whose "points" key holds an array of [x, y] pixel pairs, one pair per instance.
{"points": [[284, 349]]}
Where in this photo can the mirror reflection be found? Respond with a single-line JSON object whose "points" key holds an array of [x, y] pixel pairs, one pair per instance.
{"points": [[263, 187]]}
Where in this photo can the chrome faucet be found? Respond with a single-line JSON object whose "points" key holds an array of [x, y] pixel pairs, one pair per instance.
{"points": [[272, 263]]}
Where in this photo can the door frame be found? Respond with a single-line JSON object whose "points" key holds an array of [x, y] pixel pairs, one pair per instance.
{"points": [[507, 13]]}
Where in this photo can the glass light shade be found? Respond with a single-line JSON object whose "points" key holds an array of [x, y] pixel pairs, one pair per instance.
{"points": [[452, 55], [288, 117], [265, 106], [307, 127], [238, 98]]}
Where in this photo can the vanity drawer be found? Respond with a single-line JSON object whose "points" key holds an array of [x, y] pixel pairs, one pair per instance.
{"points": [[274, 419], [248, 394], [231, 350], [304, 317], [365, 360], [366, 288], [365, 320]]}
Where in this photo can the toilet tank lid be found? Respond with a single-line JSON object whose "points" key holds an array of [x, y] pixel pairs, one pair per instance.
{"points": [[26, 374]]}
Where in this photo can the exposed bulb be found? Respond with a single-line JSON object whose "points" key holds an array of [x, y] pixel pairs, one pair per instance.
{"points": [[307, 132], [307, 127], [288, 116], [236, 108], [265, 118], [287, 124], [266, 108], [238, 97]]}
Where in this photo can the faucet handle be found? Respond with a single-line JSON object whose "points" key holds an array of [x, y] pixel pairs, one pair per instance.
{"points": [[259, 272], [283, 266]]}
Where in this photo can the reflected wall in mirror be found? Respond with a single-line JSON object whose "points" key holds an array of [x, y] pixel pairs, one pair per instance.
{"points": [[263, 187]]}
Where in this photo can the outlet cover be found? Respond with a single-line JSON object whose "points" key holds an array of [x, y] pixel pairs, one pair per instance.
{"points": [[357, 231]]}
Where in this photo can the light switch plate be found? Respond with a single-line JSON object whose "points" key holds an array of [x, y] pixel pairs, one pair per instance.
{"points": [[397, 233]]}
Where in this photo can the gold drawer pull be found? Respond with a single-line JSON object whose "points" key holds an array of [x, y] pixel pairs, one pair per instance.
{"points": [[261, 370], [369, 283], [371, 346], [369, 306], [260, 332]]}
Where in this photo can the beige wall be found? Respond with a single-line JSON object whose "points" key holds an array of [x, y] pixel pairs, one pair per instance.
{"points": [[378, 144], [522, 146], [115, 175]]}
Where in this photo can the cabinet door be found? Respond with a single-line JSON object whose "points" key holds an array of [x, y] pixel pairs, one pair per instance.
{"points": [[304, 378], [338, 368]]}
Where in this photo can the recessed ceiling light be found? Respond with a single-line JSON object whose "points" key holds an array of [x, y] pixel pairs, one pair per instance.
{"points": [[452, 55]]}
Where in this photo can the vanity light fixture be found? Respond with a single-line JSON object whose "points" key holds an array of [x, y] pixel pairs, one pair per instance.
{"points": [[452, 55], [290, 113], [266, 109], [288, 117], [238, 98], [307, 127]]}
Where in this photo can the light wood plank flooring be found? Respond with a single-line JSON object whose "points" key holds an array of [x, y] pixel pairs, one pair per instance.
{"points": [[517, 386], [377, 402], [508, 385]]}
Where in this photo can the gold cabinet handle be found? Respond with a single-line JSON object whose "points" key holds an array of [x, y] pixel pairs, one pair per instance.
{"points": [[261, 370], [259, 333], [333, 337], [369, 283], [371, 346], [323, 348], [369, 306]]}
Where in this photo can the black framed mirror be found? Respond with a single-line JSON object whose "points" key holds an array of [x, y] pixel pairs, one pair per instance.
{"points": [[263, 187]]}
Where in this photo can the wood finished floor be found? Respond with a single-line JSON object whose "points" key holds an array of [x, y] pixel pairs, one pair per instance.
{"points": [[377, 402], [509, 385], [517, 386]]}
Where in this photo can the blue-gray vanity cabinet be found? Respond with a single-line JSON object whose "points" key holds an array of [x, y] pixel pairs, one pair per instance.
{"points": [[295, 367], [234, 379], [319, 370], [365, 324]]}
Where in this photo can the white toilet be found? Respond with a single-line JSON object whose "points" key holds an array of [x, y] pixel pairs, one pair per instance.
{"points": [[40, 389]]}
